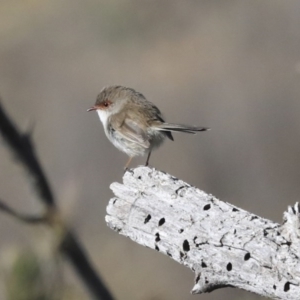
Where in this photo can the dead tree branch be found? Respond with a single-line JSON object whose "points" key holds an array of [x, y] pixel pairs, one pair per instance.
{"points": [[224, 245]]}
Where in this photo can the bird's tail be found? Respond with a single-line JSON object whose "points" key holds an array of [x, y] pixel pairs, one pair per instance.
{"points": [[180, 128]]}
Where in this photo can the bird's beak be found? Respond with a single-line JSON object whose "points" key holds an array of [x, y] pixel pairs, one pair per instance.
{"points": [[92, 108]]}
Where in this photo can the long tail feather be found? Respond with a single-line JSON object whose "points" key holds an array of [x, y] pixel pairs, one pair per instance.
{"points": [[180, 128]]}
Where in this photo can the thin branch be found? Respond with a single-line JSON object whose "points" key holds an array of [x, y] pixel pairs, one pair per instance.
{"points": [[22, 217], [22, 147], [72, 248]]}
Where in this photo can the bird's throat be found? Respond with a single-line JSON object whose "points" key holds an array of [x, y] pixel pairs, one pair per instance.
{"points": [[103, 116]]}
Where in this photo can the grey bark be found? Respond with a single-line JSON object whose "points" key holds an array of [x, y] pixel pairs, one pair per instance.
{"points": [[223, 244]]}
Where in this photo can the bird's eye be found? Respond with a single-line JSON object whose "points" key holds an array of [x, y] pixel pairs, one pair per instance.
{"points": [[105, 103]]}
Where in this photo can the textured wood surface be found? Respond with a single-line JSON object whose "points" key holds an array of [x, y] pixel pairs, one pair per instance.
{"points": [[223, 244]]}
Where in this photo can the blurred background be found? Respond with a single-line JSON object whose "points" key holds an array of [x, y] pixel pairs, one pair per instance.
{"points": [[230, 65]]}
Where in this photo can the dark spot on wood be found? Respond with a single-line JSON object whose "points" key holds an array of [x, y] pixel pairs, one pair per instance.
{"points": [[203, 265], [286, 286], [140, 177], [267, 267], [147, 219], [289, 243], [181, 254], [181, 230], [247, 256], [157, 237], [229, 267], [206, 281], [274, 287], [234, 232], [177, 191], [161, 221], [169, 254], [253, 218], [186, 246], [174, 178], [206, 207], [114, 202], [235, 209], [156, 248]]}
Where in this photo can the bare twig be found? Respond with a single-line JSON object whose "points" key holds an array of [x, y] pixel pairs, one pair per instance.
{"points": [[22, 147], [21, 217]]}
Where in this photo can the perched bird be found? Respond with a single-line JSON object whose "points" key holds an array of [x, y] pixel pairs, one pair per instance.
{"points": [[132, 123]]}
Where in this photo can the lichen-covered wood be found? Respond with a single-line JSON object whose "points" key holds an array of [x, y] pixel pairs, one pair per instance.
{"points": [[223, 244]]}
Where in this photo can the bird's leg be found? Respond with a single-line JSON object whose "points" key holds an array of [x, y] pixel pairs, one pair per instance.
{"points": [[127, 164], [148, 157]]}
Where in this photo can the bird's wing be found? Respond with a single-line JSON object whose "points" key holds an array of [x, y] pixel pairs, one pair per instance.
{"points": [[132, 131]]}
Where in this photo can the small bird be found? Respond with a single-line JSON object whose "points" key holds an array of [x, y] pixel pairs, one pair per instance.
{"points": [[132, 123]]}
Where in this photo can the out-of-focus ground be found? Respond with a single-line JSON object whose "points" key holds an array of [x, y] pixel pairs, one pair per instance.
{"points": [[231, 65]]}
